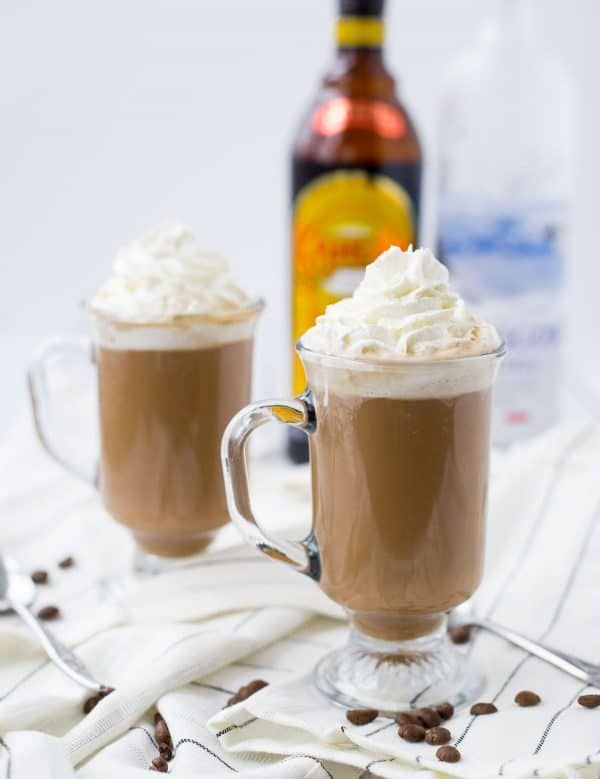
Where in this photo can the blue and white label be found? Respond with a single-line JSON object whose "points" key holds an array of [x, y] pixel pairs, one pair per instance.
{"points": [[509, 267]]}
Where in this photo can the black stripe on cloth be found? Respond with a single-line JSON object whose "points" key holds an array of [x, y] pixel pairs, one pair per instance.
{"points": [[503, 766], [212, 687], [565, 592], [205, 748], [8, 758], [379, 729], [229, 728], [262, 667], [189, 637], [309, 757], [588, 760], [23, 679], [554, 717], [147, 732], [366, 774]]}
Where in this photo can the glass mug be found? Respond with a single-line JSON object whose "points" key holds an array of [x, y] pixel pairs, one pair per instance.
{"points": [[399, 458], [165, 395]]}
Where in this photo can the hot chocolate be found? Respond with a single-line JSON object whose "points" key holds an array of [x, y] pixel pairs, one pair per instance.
{"points": [[174, 338], [399, 456], [397, 412], [162, 415], [398, 505]]}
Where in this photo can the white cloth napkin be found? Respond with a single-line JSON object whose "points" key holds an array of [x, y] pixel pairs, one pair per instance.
{"points": [[185, 641]]}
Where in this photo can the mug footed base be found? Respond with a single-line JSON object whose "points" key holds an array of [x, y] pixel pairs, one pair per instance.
{"points": [[393, 676], [172, 553]]}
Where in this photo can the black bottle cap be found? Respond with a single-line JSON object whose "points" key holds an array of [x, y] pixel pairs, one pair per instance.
{"points": [[361, 7]]}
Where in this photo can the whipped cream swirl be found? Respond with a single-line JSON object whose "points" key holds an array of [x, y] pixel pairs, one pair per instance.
{"points": [[403, 309], [165, 276]]}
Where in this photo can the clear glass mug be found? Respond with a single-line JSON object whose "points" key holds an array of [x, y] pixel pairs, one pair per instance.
{"points": [[165, 395], [399, 458]]}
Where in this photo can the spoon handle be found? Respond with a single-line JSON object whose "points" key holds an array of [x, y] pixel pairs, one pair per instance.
{"points": [[574, 666], [61, 655]]}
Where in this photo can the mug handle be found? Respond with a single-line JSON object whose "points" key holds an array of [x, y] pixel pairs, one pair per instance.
{"points": [[298, 412], [46, 360]]}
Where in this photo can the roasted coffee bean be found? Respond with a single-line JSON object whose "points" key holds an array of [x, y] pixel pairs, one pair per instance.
{"points": [[361, 716], [40, 577], [429, 718], [477, 709], [448, 754], [246, 691], [49, 613], [589, 701], [527, 698], [161, 732], [445, 710], [159, 764], [66, 562], [461, 634], [437, 736], [407, 718], [91, 702], [412, 733], [165, 750]]}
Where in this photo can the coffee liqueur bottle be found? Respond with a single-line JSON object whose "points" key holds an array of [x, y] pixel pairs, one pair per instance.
{"points": [[356, 177]]}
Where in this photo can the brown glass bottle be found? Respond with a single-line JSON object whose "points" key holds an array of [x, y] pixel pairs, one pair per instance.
{"points": [[356, 177]]}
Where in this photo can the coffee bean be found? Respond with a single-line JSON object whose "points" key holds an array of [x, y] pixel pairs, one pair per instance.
{"points": [[407, 718], [165, 750], [461, 634], [40, 577], [429, 718], [438, 736], [448, 754], [361, 716], [161, 732], [66, 562], [589, 701], [159, 764], [246, 691], [477, 709], [445, 710], [91, 702], [527, 698], [412, 733], [49, 613]]}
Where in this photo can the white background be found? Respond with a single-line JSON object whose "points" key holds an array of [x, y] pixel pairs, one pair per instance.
{"points": [[116, 114]]}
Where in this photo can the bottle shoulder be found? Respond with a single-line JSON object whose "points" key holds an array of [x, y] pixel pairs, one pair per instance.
{"points": [[353, 128]]}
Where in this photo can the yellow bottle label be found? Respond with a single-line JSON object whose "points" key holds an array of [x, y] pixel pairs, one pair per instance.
{"points": [[359, 31], [341, 222]]}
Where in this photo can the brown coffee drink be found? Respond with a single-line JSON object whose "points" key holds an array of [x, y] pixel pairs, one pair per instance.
{"points": [[162, 415], [399, 505]]}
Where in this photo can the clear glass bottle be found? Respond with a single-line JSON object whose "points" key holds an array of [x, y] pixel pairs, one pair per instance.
{"points": [[505, 191]]}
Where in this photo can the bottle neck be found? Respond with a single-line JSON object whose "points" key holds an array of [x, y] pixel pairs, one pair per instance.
{"points": [[359, 41], [360, 32]]}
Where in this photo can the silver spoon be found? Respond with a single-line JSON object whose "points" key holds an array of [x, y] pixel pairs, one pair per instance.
{"points": [[575, 666], [17, 593]]}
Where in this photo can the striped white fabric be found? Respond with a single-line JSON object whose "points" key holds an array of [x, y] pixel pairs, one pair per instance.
{"points": [[183, 642]]}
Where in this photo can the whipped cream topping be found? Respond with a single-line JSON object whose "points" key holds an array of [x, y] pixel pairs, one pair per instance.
{"points": [[402, 310], [166, 276]]}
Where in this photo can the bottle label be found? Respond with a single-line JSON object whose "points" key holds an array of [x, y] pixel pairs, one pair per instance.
{"points": [[342, 220], [508, 265]]}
